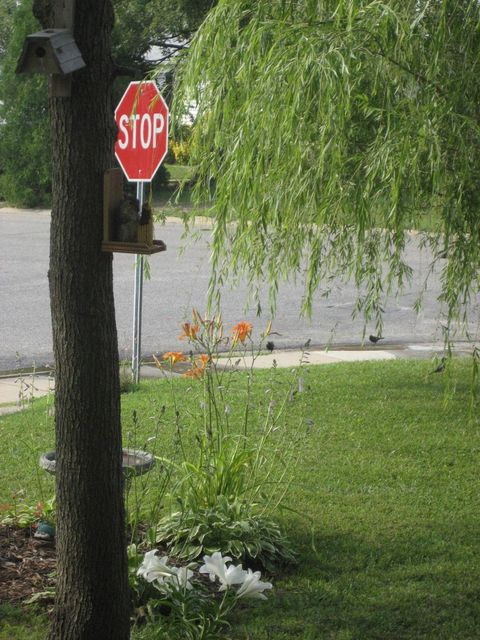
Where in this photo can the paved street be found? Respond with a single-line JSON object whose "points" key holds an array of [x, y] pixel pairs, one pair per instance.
{"points": [[178, 283]]}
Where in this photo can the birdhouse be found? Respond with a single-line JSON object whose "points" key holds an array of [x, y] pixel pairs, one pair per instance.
{"points": [[51, 51]]}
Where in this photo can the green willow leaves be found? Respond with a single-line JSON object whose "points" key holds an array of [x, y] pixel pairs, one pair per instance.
{"points": [[326, 130]]}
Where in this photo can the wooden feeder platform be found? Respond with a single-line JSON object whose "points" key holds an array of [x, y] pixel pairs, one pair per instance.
{"points": [[134, 247], [112, 197]]}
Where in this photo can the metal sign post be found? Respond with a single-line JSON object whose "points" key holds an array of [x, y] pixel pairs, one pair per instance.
{"points": [[142, 121], [137, 304]]}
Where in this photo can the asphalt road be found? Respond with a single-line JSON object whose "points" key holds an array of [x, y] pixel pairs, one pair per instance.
{"points": [[179, 282]]}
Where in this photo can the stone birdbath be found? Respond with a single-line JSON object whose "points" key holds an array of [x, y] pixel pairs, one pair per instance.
{"points": [[134, 463]]}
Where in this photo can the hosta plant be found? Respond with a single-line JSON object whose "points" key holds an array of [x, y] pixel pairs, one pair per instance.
{"points": [[229, 525]]}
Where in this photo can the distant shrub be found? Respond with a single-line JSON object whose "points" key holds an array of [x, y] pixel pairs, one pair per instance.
{"points": [[181, 151]]}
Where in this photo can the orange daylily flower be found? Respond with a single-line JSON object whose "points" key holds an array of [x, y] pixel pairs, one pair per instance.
{"points": [[198, 367], [174, 356], [241, 331], [194, 372], [204, 360], [189, 331]]}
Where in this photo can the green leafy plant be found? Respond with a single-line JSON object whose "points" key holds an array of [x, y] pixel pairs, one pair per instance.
{"points": [[225, 492], [227, 525], [127, 385], [24, 514]]}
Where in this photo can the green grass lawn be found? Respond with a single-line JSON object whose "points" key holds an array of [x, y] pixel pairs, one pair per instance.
{"points": [[174, 201], [180, 172], [387, 475]]}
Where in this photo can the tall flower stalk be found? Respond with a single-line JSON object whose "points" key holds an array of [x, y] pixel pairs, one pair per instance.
{"points": [[233, 476]]}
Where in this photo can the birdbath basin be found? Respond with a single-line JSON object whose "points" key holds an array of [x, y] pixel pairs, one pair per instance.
{"points": [[134, 462]]}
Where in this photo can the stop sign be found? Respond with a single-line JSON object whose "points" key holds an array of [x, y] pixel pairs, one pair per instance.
{"points": [[142, 121]]}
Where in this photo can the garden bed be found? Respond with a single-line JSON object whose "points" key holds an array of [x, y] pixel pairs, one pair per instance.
{"points": [[27, 565]]}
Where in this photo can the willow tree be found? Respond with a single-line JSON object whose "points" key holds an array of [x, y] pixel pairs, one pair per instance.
{"points": [[327, 129]]}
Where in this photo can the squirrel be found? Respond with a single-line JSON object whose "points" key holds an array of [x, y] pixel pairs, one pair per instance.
{"points": [[128, 217], [145, 214]]}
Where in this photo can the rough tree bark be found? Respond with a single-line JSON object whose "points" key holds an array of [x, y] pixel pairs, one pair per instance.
{"points": [[92, 587]]}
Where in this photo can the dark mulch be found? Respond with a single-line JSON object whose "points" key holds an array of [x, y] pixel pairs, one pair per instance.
{"points": [[27, 565]]}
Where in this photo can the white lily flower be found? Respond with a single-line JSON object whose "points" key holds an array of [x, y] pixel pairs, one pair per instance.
{"points": [[216, 567], [181, 578], [149, 556], [252, 586], [233, 575], [154, 568]]}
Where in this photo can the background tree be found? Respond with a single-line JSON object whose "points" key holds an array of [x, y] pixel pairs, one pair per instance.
{"points": [[166, 25], [141, 26], [25, 165], [326, 129], [92, 599], [6, 21]]}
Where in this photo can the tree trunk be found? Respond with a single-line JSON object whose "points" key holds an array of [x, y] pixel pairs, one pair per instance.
{"points": [[92, 587]]}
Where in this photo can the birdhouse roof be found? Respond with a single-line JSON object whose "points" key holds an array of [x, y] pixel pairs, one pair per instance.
{"points": [[50, 51]]}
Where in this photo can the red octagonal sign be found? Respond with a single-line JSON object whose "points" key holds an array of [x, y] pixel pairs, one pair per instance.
{"points": [[142, 121]]}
